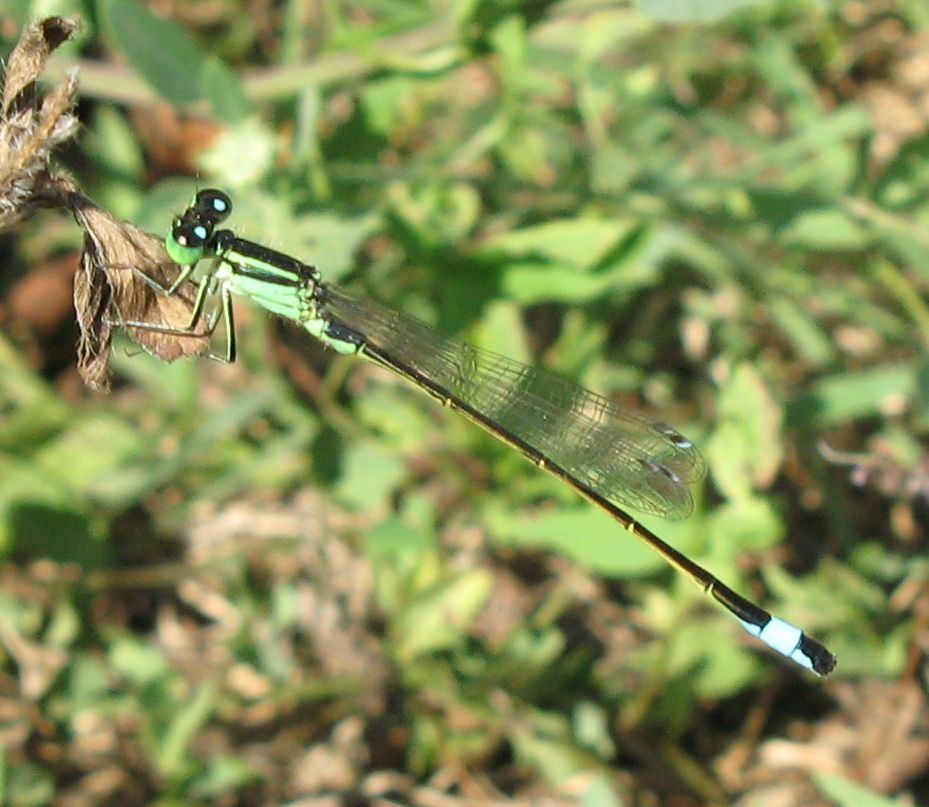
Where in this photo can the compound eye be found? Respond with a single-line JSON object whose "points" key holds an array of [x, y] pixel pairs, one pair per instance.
{"points": [[188, 235], [213, 204]]}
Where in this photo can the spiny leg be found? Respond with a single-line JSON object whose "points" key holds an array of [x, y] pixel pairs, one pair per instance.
{"points": [[223, 311], [203, 291], [183, 275]]}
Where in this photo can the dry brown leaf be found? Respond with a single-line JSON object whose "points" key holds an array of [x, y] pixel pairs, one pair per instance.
{"points": [[109, 290]]}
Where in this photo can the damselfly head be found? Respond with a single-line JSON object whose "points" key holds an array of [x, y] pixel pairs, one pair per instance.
{"points": [[189, 235]]}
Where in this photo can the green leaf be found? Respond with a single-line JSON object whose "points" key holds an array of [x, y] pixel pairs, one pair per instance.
{"points": [[826, 230], [705, 11], [398, 414], [528, 283], [748, 524], [579, 242], [395, 543], [576, 260], [35, 529], [163, 53], [113, 142], [585, 534], [745, 449], [845, 793], [171, 61], [89, 683], [224, 774], [815, 346], [30, 408], [28, 785], [369, 474], [845, 396], [613, 169], [173, 751], [138, 662], [905, 179], [543, 740], [440, 618], [383, 101], [436, 214], [223, 89], [92, 449], [503, 330], [591, 728], [508, 40], [723, 668]]}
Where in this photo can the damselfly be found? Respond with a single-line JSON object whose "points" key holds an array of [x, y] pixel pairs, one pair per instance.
{"points": [[611, 455]]}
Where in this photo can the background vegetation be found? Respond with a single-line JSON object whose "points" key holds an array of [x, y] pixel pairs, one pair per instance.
{"points": [[296, 580]]}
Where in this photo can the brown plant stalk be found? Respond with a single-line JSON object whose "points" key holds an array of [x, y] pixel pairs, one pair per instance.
{"points": [[110, 285]]}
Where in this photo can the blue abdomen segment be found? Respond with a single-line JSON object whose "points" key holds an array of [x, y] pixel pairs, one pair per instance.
{"points": [[783, 637]]}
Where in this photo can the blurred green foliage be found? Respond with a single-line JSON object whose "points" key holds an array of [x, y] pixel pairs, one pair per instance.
{"points": [[252, 584]]}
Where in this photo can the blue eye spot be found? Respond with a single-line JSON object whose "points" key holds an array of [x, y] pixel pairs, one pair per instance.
{"points": [[201, 232]]}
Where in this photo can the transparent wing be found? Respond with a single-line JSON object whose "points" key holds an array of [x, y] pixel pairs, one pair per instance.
{"points": [[623, 455]]}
